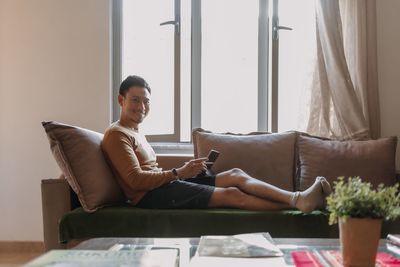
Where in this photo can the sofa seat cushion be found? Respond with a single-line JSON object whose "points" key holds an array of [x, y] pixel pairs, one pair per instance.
{"points": [[127, 221]]}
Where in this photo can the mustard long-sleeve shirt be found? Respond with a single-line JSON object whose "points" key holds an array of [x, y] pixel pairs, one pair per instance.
{"points": [[133, 162]]}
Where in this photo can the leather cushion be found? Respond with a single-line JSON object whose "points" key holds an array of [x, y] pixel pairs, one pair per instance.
{"points": [[372, 160], [267, 157], [78, 154]]}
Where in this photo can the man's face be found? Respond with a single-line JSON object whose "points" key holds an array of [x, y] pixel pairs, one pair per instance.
{"points": [[135, 105]]}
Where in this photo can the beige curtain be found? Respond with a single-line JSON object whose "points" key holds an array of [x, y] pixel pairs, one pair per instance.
{"points": [[344, 93]]}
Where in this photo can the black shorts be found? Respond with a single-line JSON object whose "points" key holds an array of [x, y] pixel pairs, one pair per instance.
{"points": [[192, 193]]}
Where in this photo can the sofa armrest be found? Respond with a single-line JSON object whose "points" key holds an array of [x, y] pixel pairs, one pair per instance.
{"points": [[169, 161], [56, 201]]}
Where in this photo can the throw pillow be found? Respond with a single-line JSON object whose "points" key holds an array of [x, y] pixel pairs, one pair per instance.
{"points": [[267, 157], [372, 160], [80, 158]]}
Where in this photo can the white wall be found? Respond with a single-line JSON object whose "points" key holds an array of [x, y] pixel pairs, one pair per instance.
{"points": [[54, 65], [388, 21]]}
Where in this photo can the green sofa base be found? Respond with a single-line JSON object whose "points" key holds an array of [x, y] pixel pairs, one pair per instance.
{"points": [[127, 221]]}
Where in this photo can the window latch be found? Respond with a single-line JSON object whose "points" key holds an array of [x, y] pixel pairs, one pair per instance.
{"points": [[172, 22], [277, 27]]}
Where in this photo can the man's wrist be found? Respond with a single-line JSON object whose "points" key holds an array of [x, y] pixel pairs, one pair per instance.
{"points": [[175, 172]]}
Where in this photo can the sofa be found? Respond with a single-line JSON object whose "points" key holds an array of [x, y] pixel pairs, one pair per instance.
{"points": [[86, 201]]}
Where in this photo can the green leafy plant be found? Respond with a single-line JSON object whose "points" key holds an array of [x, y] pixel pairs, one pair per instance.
{"points": [[356, 199]]}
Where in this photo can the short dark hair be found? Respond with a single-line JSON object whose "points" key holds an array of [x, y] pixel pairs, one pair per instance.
{"points": [[132, 81]]}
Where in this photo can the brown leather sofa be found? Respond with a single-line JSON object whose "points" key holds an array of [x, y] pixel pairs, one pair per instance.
{"points": [[65, 224], [289, 160]]}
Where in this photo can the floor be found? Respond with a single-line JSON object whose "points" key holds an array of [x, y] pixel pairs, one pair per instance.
{"points": [[16, 259], [17, 253]]}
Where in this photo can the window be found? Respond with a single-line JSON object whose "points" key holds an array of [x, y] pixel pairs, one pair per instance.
{"points": [[229, 65], [295, 64], [216, 64]]}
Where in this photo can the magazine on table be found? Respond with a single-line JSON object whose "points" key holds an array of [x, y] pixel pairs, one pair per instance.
{"points": [[239, 246], [109, 258], [184, 251]]}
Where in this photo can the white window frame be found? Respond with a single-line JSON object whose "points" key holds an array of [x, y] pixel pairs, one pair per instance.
{"points": [[267, 78]]}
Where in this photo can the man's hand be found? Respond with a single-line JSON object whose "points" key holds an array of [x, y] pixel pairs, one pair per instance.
{"points": [[192, 168]]}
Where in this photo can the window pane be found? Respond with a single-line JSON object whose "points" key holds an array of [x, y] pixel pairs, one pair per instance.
{"points": [[148, 51], [229, 65], [296, 57]]}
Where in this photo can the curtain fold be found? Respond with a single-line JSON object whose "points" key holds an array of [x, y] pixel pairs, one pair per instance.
{"points": [[344, 93], [372, 102]]}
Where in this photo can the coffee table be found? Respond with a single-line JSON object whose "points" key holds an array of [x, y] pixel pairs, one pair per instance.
{"points": [[187, 246]]}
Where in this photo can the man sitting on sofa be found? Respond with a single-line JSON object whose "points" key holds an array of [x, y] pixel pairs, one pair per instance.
{"points": [[145, 185]]}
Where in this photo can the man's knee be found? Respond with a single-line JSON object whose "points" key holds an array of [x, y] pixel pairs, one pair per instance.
{"points": [[236, 172], [226, 197], [234, 196], [232, 192], [238, 175]]}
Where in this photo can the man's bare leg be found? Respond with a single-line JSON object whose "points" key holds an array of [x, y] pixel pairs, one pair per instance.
{"points": [[240, 179], [306, 201], [232, 197]]}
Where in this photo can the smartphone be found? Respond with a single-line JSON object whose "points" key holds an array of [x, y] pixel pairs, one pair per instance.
{"points": [[211, 158]]}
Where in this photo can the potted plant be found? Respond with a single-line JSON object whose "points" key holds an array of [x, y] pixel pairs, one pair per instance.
{"points": [[360, 210]]}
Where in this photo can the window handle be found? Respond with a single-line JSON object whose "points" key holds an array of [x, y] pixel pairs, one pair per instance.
{"points": [[277, 27], [283, 28], [172, 22]]}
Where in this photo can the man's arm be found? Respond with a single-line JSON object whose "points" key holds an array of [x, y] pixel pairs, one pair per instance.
{"points": [[119, 150]]}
